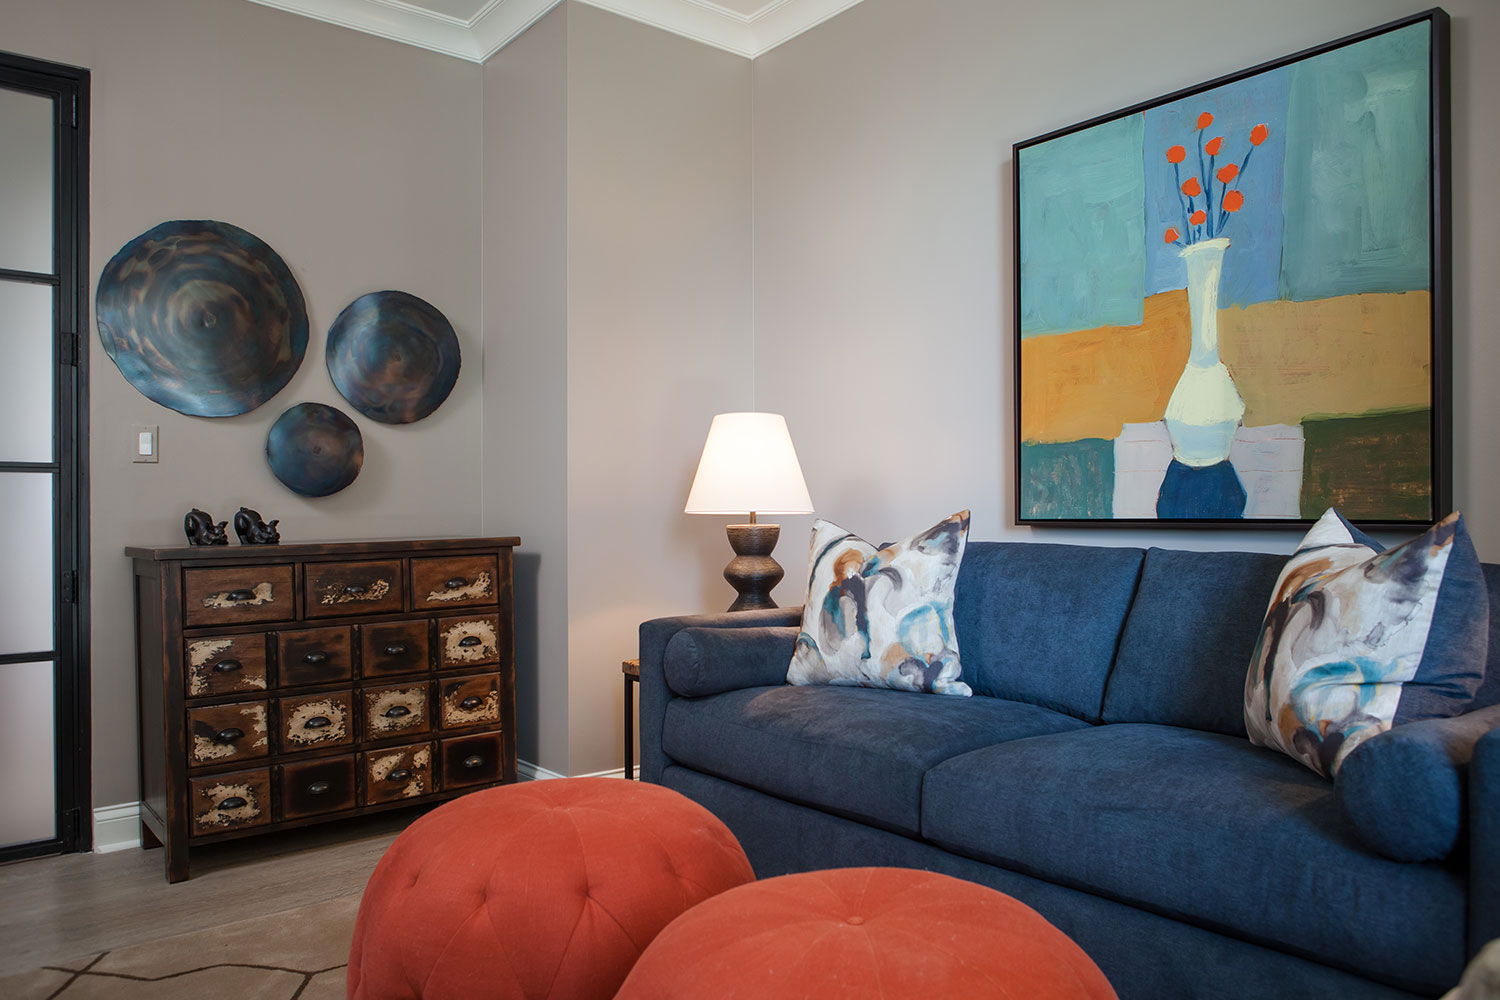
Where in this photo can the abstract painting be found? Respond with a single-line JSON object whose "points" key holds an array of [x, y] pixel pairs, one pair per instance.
{"points": [[1233, 302]]}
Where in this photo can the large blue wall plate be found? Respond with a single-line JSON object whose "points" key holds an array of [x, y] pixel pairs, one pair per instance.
{"points": [[315, 450], [202, 317], [393, 356]]}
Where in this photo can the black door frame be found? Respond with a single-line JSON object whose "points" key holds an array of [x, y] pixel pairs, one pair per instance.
{"points": [[69, 87]]}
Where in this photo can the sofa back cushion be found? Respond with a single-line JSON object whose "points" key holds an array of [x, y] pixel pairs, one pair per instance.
{"points": [[1189, 637], [1039, 623], [1489, 690]]}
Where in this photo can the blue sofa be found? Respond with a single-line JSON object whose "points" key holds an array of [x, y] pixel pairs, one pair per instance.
{"points": [[1101, 774]]}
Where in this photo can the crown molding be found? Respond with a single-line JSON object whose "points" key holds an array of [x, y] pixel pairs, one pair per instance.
{"points": [[498, 22]]}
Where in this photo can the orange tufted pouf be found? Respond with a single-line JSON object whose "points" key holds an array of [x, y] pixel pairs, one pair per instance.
{"points": [[543, 889], [864, 934]]}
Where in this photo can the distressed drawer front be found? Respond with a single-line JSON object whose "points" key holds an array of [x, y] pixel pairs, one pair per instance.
{"points": [[468, 641], [238, 594], [352, 588], [318, 786], [454, 582], [225, 665], [225, 733], [317, 720], [471, 701], [398, 773], [397, 648], [399, 710], [314, 656], [471, 760], [230, 801]]}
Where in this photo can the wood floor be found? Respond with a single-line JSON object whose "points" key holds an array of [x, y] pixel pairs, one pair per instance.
{"points": [[58, 908]]}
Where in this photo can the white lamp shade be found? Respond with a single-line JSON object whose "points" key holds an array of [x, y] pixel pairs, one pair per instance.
{"points": [[748, 466]]}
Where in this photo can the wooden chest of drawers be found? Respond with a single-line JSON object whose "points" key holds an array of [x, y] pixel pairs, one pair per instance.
{"points": [[284, 685]]}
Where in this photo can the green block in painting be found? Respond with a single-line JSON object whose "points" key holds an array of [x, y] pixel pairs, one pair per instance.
{"points": [[1372, 468], [1075, 479]]}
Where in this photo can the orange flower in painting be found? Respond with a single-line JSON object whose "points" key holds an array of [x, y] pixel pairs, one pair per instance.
{"points": [[1171, 235], [1233, 200], [1212, 146], [1227, 173], [1176, 154], [1191, 187], [1258, 135], [1198, 217], [1205, 120]]}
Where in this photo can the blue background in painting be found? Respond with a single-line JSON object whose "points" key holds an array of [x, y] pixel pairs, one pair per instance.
{"points": [[1252, 264]]}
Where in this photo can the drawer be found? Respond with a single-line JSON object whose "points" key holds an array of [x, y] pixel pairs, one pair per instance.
{"points": [[352, 588], [454, 581], [468, 641], [225, 665], [395, 648], [238, 594], [399, 710], [470, 701], [317, 786], [224, 733], [230, 801], [317, 720], [471, 760], [314, 656], [398, 773]]}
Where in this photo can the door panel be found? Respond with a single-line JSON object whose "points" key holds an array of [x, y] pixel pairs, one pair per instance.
{"points": [[26, 195], [26, 743], [26, 378], [27, 584]]}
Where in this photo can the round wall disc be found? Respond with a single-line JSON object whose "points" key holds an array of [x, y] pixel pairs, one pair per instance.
{"points": [[315, 450], [393, 356]]}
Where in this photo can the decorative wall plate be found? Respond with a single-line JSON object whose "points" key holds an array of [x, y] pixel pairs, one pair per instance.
{"points": [[315, 450], [202, 317], [393, 356]]}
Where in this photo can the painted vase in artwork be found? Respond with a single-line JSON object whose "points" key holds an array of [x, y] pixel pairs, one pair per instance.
{"points": [[1205, 408]]}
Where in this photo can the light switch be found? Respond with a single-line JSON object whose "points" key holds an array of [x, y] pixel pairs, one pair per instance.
{"points": [[145, 443]]}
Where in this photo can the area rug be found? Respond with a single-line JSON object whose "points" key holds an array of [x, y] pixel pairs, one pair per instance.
{"points": [[298, 954]]}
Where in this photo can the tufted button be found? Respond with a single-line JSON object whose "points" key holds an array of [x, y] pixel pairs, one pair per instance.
{"points": [[855, 921]]}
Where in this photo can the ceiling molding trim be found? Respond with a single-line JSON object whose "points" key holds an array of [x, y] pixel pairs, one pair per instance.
{"points": [[499, 22], [702, 22], [781, 22], [399, 22]]}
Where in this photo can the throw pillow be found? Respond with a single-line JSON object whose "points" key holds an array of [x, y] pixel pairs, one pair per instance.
{"points": [[882, 617], [1356, 640]]}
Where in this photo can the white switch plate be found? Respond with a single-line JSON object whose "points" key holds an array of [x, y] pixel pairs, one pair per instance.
{"points": [[147, 443]]}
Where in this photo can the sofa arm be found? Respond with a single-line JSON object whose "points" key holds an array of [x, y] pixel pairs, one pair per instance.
{"points": [[1484, 841], [705, 661], [655, 635]]}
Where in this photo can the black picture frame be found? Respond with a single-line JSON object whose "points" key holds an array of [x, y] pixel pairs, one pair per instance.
{"points": [[1388, 482]]}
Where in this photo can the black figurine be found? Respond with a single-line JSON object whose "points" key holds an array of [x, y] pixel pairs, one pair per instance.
{"points": [[252, 530], [201, 529]]}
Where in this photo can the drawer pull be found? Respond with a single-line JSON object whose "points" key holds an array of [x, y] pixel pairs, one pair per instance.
{"points": [[355, 589], [315, 657], [470, 640], [471, 702], [398, 775], [318, 788], [318, 722], [228, 735], [455, 583], [227, 666], [240, 595], [395, 649], [473, 761], [397, 711], [233, 802]]}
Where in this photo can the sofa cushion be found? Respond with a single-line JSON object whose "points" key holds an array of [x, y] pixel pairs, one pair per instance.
{"points": [[857, 752], [1189, 634], [1204, 828], [882, 617], [1039, 623], [1356, 641], [704, 661]]}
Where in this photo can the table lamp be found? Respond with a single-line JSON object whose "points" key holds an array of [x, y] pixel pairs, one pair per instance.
{"points": [[749, 466]]}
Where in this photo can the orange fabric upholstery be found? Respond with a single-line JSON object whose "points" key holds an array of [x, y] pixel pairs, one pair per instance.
{"points": [[864, 934], [545, 889]]}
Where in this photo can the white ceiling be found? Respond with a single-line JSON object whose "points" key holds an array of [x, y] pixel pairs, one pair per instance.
{"points": [[477, 29]]}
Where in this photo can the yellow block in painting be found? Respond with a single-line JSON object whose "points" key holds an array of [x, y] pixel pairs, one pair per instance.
{"points": [[1342, 356]]}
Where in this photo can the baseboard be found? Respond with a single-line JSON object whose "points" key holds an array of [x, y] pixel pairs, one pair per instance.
{"points": [[117, 828], [527, 771]]}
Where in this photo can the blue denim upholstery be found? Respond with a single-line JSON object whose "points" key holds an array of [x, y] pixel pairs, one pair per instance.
{"points": [[704, 661], [1484, 841]]}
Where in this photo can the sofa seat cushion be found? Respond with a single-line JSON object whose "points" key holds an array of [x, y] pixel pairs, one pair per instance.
{"points": [[856, 752], [1204, 828]]}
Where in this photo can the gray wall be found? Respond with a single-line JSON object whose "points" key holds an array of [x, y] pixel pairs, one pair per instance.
{"points": [[883, 257], [358, 160]]}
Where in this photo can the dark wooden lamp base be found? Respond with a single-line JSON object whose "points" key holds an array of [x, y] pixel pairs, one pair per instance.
{"points": [[752, 572]]}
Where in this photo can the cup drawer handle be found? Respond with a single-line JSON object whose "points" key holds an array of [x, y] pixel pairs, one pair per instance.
{"points": [[318, 722], [318, 788], [315, 657], [233, 802], [398, 775], [227, 666], [228, 735], [397, 711], [355, 589], [470, 641], [456, 582], [473, 761], [395, 649], [240, 595], [471, 702]]}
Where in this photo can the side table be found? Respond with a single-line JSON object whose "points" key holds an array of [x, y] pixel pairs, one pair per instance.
{"points": [[631, 669]]}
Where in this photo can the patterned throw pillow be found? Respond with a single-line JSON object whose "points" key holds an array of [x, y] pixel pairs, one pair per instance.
{"points": [[1357, 640], [882, 618]]}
